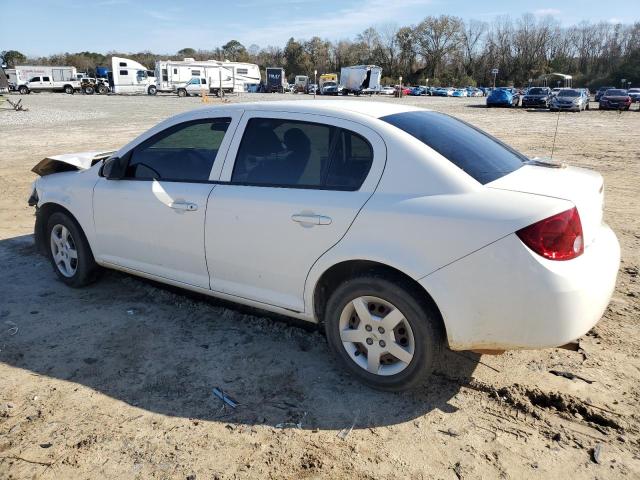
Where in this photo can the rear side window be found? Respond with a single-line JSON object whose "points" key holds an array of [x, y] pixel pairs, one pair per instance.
{"points": [[480, 155], [290, 153], [184, 152]]}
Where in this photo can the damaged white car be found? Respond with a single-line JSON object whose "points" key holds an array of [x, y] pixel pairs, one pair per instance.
{"points": [[401, 230]]}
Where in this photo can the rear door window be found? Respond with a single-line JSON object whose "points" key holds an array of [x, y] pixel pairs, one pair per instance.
{"points": [[296, 154], [480, 155], [184, 152]]}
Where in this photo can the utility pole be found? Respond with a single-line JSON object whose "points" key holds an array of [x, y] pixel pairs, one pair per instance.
{"points": [[494, 72], [315, 82]]}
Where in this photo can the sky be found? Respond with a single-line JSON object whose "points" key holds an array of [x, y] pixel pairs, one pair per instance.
{"points": [[162, 26]]}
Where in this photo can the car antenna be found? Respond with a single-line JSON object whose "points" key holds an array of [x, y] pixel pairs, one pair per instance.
{"points": [[555, 134]]}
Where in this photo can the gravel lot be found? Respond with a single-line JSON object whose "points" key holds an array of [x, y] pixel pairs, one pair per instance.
{"points": [[115, 380]]}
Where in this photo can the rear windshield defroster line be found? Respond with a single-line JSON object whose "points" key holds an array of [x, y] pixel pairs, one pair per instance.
{"points": [[480, 155]]}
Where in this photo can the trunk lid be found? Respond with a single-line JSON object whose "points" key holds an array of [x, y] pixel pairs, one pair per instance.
{"points": [[585, 188]]}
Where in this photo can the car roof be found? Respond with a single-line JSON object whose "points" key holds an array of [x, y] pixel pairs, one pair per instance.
{"points": [[368, 108]]}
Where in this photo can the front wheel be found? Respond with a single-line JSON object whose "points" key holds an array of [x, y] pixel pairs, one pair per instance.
{"points": [[68, 89], [69, 251], [89, 90], [383, 333], [152, 90], [182, 92], [23, 90]]}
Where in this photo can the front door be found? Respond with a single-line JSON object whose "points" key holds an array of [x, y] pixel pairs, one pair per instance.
{"points": [[292, 186], [152, 221]]}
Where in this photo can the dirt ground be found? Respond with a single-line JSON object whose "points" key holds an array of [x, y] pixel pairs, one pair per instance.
{"points": [[116, 380]]}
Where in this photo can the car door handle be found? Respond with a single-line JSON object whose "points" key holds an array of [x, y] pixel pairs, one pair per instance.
{"points": [[311, 219], [188, 206]]}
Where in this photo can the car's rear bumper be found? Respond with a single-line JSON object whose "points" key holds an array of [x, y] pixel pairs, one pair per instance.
{"points": [[505, 296]]}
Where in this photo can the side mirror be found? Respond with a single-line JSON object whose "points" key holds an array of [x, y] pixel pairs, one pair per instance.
{"points": [[114, 168]]}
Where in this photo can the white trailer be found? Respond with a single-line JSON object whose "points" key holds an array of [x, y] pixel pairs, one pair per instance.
{"points": [[129, 76], [233, 76], [357, 78], [39, 78]]}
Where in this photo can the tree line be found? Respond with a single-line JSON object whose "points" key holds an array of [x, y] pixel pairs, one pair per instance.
{"points": [[443, 50]]}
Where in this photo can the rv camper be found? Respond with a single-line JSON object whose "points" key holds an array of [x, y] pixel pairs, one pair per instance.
{"points": [[276, 80], [301, 84], [234, 76], [38, 78], [360, 77], [129, 76]]}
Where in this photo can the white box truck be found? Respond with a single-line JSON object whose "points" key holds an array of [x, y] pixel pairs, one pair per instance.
{"points": [[171, 74], [42, 78], [360, 78]]}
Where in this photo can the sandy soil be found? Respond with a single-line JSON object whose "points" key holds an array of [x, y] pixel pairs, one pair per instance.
{"points": [[115, 380]]}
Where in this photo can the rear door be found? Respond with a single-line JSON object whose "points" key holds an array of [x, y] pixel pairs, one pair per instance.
{"points": [[291, 187], [152, 221]]}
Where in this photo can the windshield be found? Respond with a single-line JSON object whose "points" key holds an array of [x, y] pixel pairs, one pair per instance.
{"points": [[480, 155], [537, 91], [569, 93], [329, 84], [615, 93]]}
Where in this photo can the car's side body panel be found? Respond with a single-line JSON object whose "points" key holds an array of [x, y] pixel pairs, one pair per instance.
{"points": [[255, 248]]}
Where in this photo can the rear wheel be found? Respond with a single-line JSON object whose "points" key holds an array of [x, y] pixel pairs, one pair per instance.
{"points": [[102, 89], [182, 92], [68, 89], [69, 251], [23, 90], [89, 90], [152, 90], [383, 333]]}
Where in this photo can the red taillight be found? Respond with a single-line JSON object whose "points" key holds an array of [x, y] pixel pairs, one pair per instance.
{"points": [[557, 238]]}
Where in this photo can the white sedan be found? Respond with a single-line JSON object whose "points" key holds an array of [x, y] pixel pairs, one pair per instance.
{"points": [[401, 230]]}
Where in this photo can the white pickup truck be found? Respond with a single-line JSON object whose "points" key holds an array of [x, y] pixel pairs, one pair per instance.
{"points": [[45, 83]]}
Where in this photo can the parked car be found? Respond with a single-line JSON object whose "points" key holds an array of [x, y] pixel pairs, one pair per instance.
{"points": [[497, 251], [570, 99], [313, 88], [634, 93], [474, 92], [459, 92], [615, 99], [537, 97], [601, 91], [417, 91], [330, 88], [387, 91], [503, 97]]}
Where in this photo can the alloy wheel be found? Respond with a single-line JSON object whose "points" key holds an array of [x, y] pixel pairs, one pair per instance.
{"points": [[376, 335], [64, 251]]}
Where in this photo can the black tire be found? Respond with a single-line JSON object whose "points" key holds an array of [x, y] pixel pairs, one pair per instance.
{"points": [[102, 89], [424, 321], [23, 90], [68, 89], [182, 92], [152, 90], [86, 270], [89, 90]]}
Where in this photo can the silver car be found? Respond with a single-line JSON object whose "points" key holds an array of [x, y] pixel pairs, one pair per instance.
{"points": [[574, 100]]}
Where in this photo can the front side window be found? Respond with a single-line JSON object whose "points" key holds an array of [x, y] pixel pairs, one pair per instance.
{"points": [[480, 155], [35, 79], [184, 152], [291, 153]]}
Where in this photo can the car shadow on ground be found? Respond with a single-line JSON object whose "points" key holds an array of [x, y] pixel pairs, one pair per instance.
{"points": [[165, 350]]}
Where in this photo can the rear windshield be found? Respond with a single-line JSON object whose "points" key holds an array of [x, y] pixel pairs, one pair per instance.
{"points": [[537, 91], [480, 155], [615, 93], [569, 93]]}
